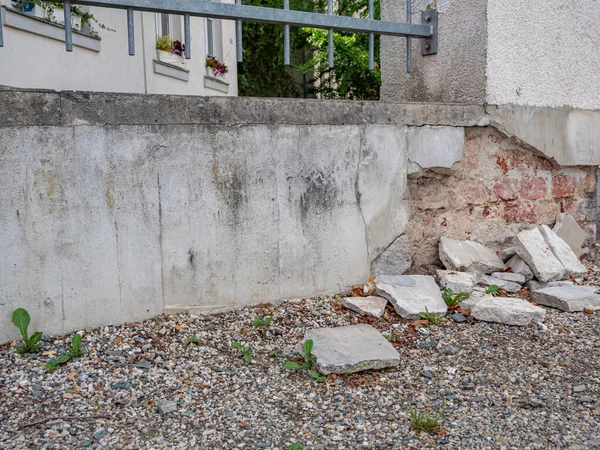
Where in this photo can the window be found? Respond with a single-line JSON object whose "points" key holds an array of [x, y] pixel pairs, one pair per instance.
{"points": [[164, 25], [210, 37]]}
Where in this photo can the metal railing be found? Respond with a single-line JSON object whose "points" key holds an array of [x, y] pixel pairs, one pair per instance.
{"points": [[426, 30]]}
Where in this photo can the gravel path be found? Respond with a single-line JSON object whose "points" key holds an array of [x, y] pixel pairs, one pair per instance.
{"points": [[496, 386]]}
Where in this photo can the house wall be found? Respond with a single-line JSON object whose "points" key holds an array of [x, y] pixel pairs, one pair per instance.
{"points": [[29, 60]]}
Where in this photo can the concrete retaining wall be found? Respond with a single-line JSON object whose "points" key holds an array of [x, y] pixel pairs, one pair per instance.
{"points": [[118, 207]]}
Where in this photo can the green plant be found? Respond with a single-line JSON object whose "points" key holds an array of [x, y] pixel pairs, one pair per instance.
{"points": [[276, 354], [492, 288], [219, 69], [451, 299], [243, 352], [75, 350], [391, 336], [163, 43], [307, 362], [55, 363], [21, 320], [432, 318], [263, 324], [296, 446], [192, 340], [423, 422]]}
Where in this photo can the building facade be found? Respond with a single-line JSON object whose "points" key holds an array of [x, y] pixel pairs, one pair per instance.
{"points": [[34, 53]]}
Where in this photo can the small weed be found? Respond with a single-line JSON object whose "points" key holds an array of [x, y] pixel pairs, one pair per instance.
{"points": [[432, 318], [391, 336], [296, 446], [276, 354], [75, 351], [423, 422], [243, 352], [452, 299], [262, 324], [307, 363], [192, 340], [55, 363], [492, 288], [21, 320]]}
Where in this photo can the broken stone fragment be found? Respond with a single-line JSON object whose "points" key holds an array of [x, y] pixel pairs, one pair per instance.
{"points": [[411, 294], [166, 406], [532, 247], [569, 231], [508, 286], [508, 311], [519, 266], [351, 349], [371, 306], [476, 297], [567, 298], [469, 256], [507, 253], [563, 252], [510, 276], [535, 285], [457, 281], [394, 260]]}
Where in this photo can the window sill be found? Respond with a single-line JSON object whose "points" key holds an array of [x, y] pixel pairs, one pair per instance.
{"points": [[32, 24], [170, 70], [216, 84]]}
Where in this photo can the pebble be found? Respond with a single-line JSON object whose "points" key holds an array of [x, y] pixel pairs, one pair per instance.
{"points": [[458, 318]]}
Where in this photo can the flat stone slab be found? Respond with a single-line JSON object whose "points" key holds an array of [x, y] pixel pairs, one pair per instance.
{"points": [[534, 285], [510, 276], [563, 252], [519, 266], [457, 281], [567, 298], [567, 228], [507, 253], [532, 247], [411, 294], [508, 286], [351, 349], [476, 297], [507, 311], [469, 256], [371, 306]]}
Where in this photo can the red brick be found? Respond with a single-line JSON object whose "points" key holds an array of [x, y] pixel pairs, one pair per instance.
{"points": [[520, 213], [521, 159], [533, 188], [563, 186], [507, 189]]}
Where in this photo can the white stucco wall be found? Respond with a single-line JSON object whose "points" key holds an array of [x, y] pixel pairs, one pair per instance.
{"points": [[544, 54], [33, 61]]}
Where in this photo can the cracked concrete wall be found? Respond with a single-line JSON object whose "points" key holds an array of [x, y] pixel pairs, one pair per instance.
{"points": [[108, 216], [498, 188]]}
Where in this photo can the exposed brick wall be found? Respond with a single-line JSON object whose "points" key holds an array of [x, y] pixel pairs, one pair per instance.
{"points": [[497, 189]]}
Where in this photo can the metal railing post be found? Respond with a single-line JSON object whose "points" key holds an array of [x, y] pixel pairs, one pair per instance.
{"points": [[371, 39], [130, 32], [68, 29], [286, 37], [187, 36], [330, 38]]}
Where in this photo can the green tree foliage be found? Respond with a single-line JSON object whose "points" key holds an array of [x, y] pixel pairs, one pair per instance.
{"points": [[263, 74], [350, 77]]}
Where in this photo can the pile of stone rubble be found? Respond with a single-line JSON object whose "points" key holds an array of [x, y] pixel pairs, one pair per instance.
{"points": [[544, 261]]}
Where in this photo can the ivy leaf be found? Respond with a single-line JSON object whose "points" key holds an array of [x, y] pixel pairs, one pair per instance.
{"points": [[291, 365]]}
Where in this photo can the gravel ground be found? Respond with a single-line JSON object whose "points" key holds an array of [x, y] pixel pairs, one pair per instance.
{"points": [[496, 386]]}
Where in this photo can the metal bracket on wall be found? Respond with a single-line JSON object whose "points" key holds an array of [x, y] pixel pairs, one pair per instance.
{"points": [[429, 45]]}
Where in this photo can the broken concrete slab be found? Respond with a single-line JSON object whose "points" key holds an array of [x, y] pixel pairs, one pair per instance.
{"points": [[351, 349], [468, 256], [371, 306], [532, 247], [534, 284], [475, 297], [510, 276], [457, 281], [395, 260], [508, 311], [563, 252], [567, 228], [432, 147], [411, 294], [508, 286], [519, 266], [567, 298], [507, 253]]}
